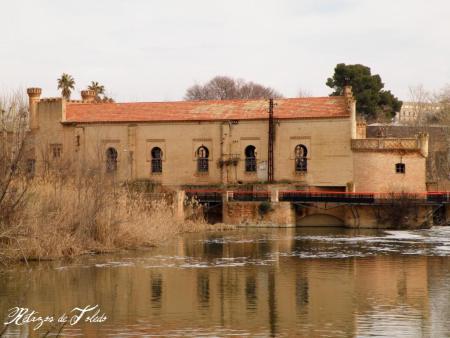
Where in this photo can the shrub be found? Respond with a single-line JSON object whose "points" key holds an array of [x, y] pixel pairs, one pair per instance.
{"points": [[264, 208]]}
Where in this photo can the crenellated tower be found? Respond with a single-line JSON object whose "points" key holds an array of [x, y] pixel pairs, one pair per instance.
{"points": [[34, 96]]}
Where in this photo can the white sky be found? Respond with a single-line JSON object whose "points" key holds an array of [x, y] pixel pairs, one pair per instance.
{"points": [[152, 50]]}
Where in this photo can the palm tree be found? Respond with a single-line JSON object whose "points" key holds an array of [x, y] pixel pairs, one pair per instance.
{"points": [[66, 83], [98, 89]]}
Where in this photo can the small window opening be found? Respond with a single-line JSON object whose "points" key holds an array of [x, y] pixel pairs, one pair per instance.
{"points": [[202, 159], [111, 160], [156, 160], [31, 167], [250, 159], [400, 168], [301, 160], [56, 150]]}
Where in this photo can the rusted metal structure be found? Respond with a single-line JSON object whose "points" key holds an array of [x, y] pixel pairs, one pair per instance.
{"points": [[270, 168]]}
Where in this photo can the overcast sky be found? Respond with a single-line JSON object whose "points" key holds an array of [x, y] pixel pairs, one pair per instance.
{"points": [[152, 50]]}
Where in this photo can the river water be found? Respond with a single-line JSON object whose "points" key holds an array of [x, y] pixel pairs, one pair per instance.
{"points": [[292, 282]]}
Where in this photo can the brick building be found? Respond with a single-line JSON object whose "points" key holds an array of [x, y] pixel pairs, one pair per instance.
{"points": [[317, 143], [438, 160]]}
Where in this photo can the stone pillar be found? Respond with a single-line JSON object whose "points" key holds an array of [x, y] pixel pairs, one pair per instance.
{"points": [[179, 204], [423, 143], [131, 152], [447, 213], [227, 196], [274, 195], [34, 96], [351, 108]]}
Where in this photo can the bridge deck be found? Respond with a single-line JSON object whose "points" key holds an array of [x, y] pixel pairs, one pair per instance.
{"points": [[216, 196]]}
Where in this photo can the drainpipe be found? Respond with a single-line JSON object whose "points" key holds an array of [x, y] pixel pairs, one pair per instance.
{"points": [[222, 141]]}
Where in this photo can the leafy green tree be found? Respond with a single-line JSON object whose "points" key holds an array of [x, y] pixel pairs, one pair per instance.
{"points": [[372, 102], [66, 83]]}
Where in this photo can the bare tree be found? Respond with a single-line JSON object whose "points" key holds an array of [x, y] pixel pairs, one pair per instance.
{"points": [[304, 93], [439, 118], [420, 105], [13, 137], [225, 88], [442, 115]]}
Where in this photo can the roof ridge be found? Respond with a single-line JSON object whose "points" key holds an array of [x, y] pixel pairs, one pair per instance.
{"points": [[214, 110], [207, 101]]}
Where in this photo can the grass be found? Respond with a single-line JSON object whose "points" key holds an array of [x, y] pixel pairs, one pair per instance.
{"points": [[65, 218]]}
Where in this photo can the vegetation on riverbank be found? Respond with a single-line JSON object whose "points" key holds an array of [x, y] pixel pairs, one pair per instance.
{"points": [[70, 209], [67, 217]]}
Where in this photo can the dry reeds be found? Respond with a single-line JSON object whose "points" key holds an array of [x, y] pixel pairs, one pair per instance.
{"points": [[68, 217]]}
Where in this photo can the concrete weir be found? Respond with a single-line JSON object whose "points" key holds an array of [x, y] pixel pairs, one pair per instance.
{"points": [[267, 210], [288, 214]]}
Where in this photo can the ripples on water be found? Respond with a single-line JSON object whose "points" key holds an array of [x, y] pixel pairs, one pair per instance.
{"points": [[253, 282]]}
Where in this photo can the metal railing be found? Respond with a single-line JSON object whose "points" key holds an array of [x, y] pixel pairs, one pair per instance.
{"points": [[249, 196], [318, 196], [326, 196], [205, 195]]}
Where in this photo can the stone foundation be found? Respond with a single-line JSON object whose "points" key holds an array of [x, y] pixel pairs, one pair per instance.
{"points": [[286, 214], [280, 214]]}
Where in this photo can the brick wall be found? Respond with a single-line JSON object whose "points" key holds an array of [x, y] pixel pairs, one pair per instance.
{"points": [[375, 172], [246, 213], [438, 160]]}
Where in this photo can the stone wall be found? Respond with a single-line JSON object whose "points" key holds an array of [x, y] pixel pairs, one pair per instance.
{"points": [[376, 172], [247, 213], [285, 214], [378, 217], [327, 140], [438, 161]]}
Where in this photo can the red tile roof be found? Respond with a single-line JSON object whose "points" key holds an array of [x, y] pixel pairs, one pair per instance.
{"points": [[298, 108]]}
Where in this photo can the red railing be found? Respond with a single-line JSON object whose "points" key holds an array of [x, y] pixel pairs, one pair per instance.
{"points": [[260, 195]]}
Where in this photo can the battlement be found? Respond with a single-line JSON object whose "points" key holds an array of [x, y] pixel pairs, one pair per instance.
{"points": [[34, 91], [88, 95], [386, 144], [51, 99]]}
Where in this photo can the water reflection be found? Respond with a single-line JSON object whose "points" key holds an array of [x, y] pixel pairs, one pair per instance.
{"points": [[267, 282]]}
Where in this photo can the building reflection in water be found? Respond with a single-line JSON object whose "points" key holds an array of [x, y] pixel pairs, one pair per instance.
{"points": [[338, 297]]}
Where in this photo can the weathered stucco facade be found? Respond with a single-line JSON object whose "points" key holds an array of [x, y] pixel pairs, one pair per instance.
{"points": [[222, 142]]}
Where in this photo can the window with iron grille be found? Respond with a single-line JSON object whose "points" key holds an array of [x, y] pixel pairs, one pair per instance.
{"points": [[400, 168], [111, 160], [301, 160], [301, 164], [250, 159], [156, 160], [56, 150], [202, 159]]}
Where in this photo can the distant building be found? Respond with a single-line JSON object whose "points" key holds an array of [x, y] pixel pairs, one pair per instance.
{"points": [[317, 143], [416, 111]]}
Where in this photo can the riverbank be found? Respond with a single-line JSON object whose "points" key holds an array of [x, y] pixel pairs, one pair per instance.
{"points": [[60, 218]]}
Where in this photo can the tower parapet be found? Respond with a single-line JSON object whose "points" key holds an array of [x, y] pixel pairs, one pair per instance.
{"points": [[88, 95]]}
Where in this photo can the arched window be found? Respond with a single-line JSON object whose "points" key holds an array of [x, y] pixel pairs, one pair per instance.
{"points": [[156, 160], [202, 159], [400, 168], [250, 159], [301, 160], [111, 160]]}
